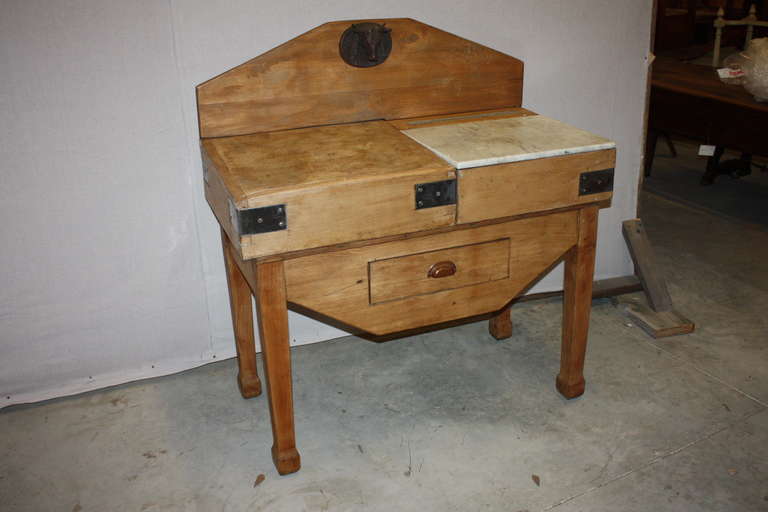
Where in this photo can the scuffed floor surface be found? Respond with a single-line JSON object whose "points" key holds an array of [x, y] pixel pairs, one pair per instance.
{"points": [[447, 421]]}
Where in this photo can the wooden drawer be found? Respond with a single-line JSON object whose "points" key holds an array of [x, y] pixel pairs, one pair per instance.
{"points": [[383, 288], [515, 188], [433, 271]]}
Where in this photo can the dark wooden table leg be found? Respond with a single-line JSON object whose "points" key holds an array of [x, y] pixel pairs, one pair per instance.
{"points": [[242, 322], [500, 324], [670, 145], [650, 150], [713, 167], [577, 303], [273, 330]]}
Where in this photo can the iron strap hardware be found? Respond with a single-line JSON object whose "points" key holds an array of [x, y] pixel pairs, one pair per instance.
{"points": [[596, 182], [436, 193], [253, 221]]}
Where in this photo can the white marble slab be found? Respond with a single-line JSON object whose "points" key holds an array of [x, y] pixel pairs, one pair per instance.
{"points": [[496, 141]]}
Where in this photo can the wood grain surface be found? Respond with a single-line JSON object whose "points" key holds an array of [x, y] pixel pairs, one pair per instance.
{"points": [[577, 304], [241, 307], [646, 266], [500, 324], [408, 276], [338, 184], [304, 82], [459, 117], [299, 127], [273, 333], [534, 185], [259, 165], [336, 284], [690, 100], [702, 81]]}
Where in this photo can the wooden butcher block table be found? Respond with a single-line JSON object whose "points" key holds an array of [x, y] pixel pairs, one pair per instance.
{"points": [[385, 178]]}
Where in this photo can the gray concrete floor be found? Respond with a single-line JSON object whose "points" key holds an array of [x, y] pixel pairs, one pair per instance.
{"points": [[450, 420], [677, 178]]}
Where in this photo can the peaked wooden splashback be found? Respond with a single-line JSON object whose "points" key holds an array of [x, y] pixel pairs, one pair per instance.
{"points": [[305, 82]]}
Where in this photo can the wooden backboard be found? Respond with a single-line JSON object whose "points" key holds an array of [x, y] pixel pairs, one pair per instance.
{"points": [[305, 82]]}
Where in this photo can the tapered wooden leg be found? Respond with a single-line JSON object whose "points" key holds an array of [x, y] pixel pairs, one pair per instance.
{"points": [[577, 303], [273, 331], [242, 322], [500, 324]]}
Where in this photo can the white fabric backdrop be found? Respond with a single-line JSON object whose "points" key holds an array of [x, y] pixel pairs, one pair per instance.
{"points": [[110, 261]]}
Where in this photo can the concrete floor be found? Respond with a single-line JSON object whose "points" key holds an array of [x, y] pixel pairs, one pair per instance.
{"points": [[677, 178], [450, 420]]}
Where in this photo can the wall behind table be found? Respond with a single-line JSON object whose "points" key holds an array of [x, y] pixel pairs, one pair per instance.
{"points": [[111, 262]]}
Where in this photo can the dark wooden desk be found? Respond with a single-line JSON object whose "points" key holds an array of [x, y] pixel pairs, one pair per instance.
{"points": [[690, 100]]}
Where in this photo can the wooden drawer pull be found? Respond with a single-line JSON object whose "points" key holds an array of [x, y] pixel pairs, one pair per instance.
{"points": [[442, 269]]}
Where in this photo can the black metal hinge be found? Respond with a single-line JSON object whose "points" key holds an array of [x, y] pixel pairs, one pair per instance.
{"points": [[253, 221], [596, 182], [436, 193]]}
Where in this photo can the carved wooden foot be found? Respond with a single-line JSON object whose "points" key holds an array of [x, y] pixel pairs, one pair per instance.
{"points": [[287, 461], [250, 385], [273, 330], [242, 322], [570, 389], [577, 304], [500, 324]]}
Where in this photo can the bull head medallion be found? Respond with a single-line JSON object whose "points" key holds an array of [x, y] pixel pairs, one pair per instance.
{"points": [[365, 44]]}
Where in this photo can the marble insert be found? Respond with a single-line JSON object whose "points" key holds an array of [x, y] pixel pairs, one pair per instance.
{"points": [[496, 141]]}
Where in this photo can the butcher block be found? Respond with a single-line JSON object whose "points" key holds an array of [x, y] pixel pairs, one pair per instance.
{"points": [[382, 175]]}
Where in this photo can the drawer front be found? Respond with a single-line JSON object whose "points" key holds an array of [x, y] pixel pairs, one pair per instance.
{"points": [[433, 271], [503, 190], [383, 288]]}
